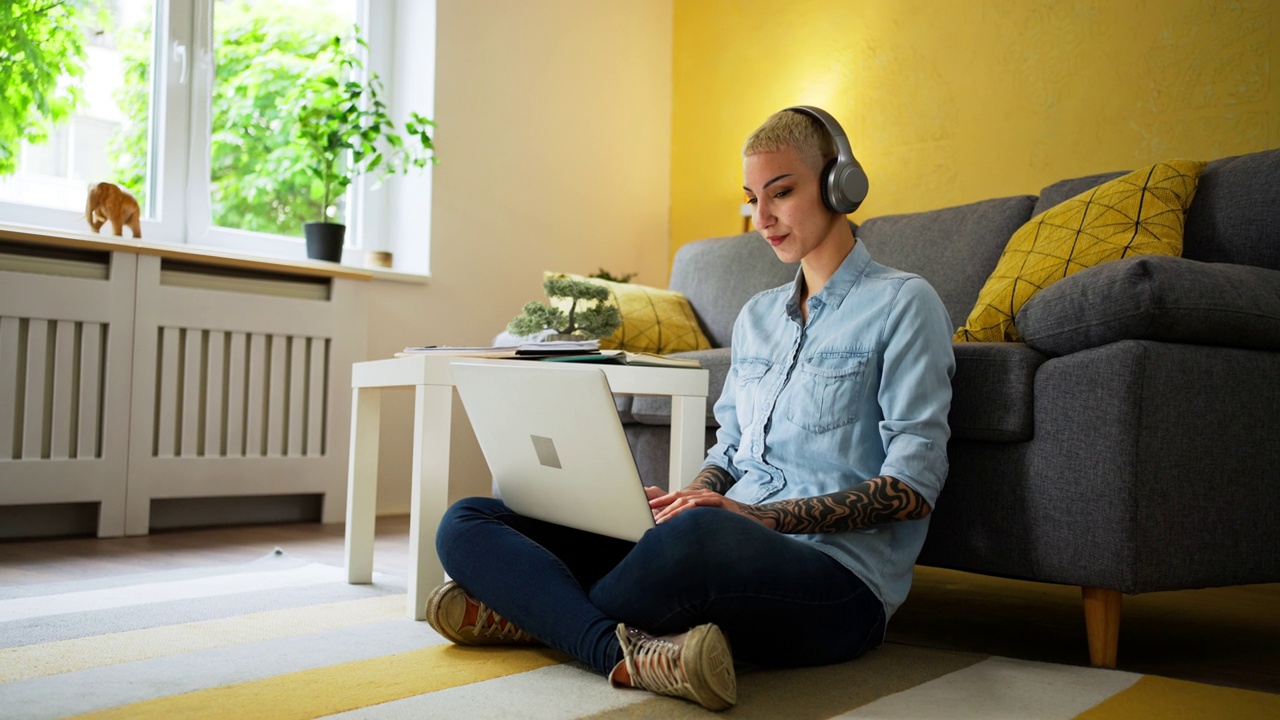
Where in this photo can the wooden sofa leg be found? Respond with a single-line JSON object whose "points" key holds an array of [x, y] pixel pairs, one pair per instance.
{"points": [[1102, 624]]}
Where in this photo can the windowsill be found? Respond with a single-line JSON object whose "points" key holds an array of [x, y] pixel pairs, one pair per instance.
{"points": [[192, 253], [398, 276]]}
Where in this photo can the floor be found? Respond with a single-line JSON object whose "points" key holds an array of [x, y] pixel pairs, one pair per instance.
{"points": [[1224, 636]]}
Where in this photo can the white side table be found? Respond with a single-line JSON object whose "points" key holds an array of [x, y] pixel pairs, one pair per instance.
{"points": [[432, 381]]}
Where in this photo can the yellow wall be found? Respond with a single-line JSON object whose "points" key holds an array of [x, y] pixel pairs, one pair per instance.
{"points": [[951, 101]]}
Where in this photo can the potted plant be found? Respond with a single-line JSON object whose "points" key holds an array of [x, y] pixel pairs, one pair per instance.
{"points": [[345, 126], [595, 318]]}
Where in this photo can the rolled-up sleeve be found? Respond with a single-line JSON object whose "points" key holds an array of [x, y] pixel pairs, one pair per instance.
{"points": [[915, 394]]}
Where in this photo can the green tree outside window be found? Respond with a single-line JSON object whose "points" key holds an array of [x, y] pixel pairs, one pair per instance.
{"points": [[42, 56]]}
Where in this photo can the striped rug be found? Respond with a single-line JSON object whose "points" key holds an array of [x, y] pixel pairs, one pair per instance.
{"points": [[286, 638]]}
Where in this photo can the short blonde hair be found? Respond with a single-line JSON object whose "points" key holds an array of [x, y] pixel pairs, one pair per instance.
{"points": [[791, 129]]}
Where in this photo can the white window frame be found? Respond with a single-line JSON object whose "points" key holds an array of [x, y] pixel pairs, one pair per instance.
{"points": [[182, 90]]}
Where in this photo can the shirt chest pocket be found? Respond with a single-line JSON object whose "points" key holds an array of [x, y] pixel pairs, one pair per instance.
{"points": [[827, 390], [750, 372]]}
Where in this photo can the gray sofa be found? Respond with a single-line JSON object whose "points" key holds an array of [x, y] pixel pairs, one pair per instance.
{"points": [[1129, 446]]}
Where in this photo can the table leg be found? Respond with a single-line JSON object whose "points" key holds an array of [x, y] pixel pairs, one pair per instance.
{"points": [[433, 417], [362, 483], [688, 431]]}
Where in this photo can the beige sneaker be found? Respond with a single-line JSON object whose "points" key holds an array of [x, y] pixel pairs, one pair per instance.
{"points": [[467, 621], [695, 666]]}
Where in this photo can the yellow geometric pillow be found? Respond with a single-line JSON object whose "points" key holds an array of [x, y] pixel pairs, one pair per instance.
{"points": [[653, 320], [1140, 213]]}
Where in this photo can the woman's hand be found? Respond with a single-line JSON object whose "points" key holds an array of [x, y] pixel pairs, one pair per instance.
{"points": [[669, 505]]}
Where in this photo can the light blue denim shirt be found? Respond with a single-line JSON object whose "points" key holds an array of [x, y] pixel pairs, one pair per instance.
{"points": [[862, 390]]}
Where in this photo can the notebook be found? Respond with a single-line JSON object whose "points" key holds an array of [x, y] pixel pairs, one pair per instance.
{"points": [[554, 443]]}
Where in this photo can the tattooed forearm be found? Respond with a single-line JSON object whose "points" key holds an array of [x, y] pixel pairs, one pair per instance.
{"points": [[877, 501], [713, 478]]}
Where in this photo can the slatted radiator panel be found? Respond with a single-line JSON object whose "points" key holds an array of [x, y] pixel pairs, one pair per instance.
{"points": [[235, 394], [66, 320], [51, 388], [245, 377]]}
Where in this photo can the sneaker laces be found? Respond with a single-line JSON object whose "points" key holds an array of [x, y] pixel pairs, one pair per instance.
{"points": [[654, 664], [490, 623]]}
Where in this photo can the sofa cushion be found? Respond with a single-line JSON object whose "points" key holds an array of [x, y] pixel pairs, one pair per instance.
{"points": [[720, 275], [653, 320], [1236, 212], [1156, 298], [1136, 214], [656, 409], [955, 248], [623, 403], [991, 391]]}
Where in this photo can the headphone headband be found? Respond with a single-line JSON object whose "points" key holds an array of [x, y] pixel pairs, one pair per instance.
{"points": [[844, 183]]}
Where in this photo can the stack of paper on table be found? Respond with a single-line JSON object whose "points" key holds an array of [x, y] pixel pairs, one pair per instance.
{"points": [[503, 351]]}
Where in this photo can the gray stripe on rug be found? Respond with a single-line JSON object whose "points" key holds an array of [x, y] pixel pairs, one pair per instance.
{"points": [[111, 686], [815, 693], [69, 626], [1003, 688], [275, 560]]}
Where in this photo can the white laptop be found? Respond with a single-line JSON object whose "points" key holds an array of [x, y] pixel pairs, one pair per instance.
{"points": [[555, 445]]}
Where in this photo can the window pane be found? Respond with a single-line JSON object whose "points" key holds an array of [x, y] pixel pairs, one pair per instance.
{"points": [[261, 178], [73, 129]]}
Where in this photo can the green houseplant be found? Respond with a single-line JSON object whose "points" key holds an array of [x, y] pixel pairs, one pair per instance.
{"points": [[344, 124], [589, 314]]}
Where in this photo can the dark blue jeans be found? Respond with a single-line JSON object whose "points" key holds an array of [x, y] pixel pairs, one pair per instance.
{"points": [[781, 602]]}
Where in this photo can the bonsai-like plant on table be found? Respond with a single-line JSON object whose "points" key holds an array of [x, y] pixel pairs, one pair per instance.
{"points": [[345, 126], [589, 315]]}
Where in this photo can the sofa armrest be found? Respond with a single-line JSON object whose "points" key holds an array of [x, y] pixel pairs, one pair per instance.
{"points": [[992, 391], [1143, 453], [1155, 297]]}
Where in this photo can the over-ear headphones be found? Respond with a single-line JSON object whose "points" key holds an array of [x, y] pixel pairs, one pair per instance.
{"points": [[844, 183]]}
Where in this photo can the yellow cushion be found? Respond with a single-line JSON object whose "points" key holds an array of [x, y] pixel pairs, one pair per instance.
{"points": [[653, 320], [1140, 213]]}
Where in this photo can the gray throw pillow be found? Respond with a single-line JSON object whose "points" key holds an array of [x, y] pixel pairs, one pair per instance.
{"points": [[1153, 297]]}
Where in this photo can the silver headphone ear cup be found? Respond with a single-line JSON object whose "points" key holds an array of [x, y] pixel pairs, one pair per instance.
{"points": [[850, 188]]}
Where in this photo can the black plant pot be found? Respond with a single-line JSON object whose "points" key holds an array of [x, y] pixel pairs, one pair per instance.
{"points": [[324, 240]]}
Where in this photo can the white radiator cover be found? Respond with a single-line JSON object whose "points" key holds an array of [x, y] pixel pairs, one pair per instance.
{"points": [[126, 378]]}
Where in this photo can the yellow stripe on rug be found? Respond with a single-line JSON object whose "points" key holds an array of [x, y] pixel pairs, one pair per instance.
{"points": [[1170, 699], [63, 656], [338, 688]]}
